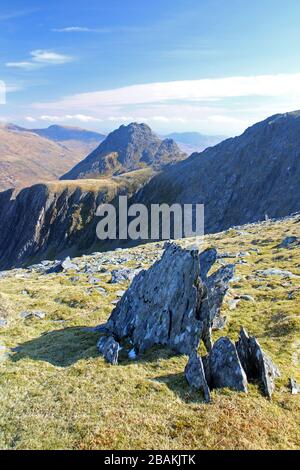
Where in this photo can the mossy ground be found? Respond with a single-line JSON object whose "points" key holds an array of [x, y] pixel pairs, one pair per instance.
{"points": [[58, 393]]}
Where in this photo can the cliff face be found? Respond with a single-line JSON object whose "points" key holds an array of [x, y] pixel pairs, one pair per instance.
{"points": [[241, 180], [48, 221], [127, 148]]}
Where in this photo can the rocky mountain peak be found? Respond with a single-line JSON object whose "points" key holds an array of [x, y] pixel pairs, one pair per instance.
{"points": [[128, 148]]}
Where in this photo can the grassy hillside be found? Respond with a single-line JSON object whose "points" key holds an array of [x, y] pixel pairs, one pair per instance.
{"points": [[57, 392], [27, 158]]}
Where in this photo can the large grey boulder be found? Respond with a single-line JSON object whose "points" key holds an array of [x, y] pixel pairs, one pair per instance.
{"points": [[195, 375], [161, 307], [225, 367], [257, 365]]}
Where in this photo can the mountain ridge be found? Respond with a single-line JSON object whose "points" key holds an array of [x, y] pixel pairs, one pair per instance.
{"points": [[126, 149]]}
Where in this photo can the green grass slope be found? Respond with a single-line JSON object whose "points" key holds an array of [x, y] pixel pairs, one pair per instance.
{"points": [[57, 392]]}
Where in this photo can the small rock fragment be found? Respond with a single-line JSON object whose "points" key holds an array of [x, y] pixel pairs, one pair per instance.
{"points": [[3, 322], [195, 375], [294, 387], [109, 348], [67, 265], [289, 242]]}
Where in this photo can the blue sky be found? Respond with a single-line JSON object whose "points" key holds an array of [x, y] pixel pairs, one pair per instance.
{"points": [[214, 66]]}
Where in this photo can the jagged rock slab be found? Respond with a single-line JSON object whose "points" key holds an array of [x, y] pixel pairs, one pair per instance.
{"points": [[225, 367], [257, 365], [195, 375], [162, 304], [109, 348], [215, 289]]}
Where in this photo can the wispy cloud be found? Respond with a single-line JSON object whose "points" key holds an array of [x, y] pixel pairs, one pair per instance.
{"points": [[103, 30], [16, 14], [41, 58], [68, 117], [80, 29], [187, 90], [209, 105]]}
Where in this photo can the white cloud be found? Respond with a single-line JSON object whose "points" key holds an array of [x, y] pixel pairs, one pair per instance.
{"points": [[69, 117], [41, 58], [30, 119], [188, 90], [222, 106], [72, 29], [104, 30]]}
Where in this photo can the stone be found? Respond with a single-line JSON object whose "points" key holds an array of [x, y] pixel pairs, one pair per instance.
{"points": [[94, 280], [219, 323], [247, 297], [120, 293], [67, 265], [122, 275], [54, 269], [225, 367], [215, 289], [294, 387], [207, 259], [161, 307], [3, 322], [226, 255], [276, 272], [257, 365], [233, 303], [289, 242], [195, 375], [109, 348], [29, 315]]}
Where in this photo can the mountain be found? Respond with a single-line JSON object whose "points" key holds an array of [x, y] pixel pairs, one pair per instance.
{"points": [[51, 220], [190, 142], [65, 133], [27, 158], [126, 149], [241, 180]]}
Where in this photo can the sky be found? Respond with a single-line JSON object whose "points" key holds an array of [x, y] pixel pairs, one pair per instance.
{"points": [[212, 66]]}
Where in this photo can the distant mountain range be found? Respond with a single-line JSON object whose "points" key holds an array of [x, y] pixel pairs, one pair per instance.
{"points": [[65, 133], [241, 180], [190, 142], [126, 149], [29, 156]]}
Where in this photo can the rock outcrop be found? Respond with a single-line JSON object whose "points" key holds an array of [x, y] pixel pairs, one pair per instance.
{"points": [[125, 149], [225, 369], [162, 304], [256, 363], [195, 375], [169, 304]]}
